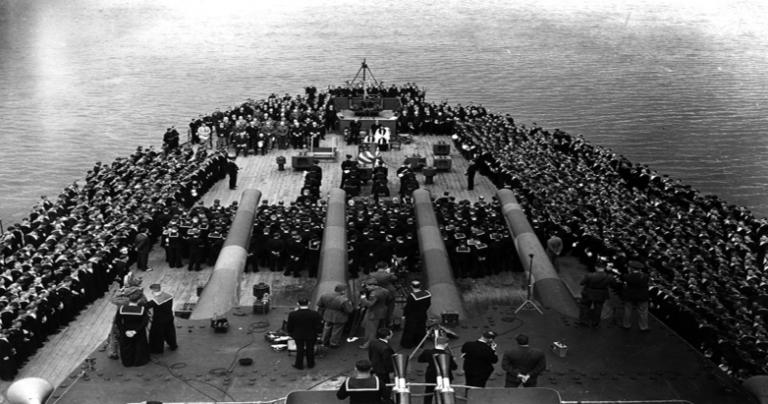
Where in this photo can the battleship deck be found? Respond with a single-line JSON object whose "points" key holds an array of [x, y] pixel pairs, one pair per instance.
{"points": [[602, 364]]}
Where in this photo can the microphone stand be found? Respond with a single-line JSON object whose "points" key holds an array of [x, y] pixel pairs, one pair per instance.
{"points": [[528, 303]]}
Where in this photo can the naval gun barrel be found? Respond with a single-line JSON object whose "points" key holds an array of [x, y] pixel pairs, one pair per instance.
{"points": [[548, 286], [437, 267], [222, 292], [333, 253]]}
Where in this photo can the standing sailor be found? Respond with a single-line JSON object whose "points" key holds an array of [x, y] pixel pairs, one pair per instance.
{"points": [[363, 388], [415, 313], [162, 329], [132, 322]]}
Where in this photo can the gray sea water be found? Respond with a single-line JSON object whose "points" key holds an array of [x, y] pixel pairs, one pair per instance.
{"points": [[679, 85]]}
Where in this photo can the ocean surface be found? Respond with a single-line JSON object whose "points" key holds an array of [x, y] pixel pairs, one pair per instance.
{"points": [[679, 85]]}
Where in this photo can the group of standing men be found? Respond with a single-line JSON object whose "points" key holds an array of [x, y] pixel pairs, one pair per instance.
{"points": [[129, 340], [197, 234], [522, 364]]}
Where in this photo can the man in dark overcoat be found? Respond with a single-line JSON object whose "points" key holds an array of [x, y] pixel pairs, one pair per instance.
{"points": [[303, 326]]}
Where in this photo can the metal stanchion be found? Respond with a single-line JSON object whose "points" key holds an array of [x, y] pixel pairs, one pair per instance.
{"points": [[401, 390], [443, 390]]}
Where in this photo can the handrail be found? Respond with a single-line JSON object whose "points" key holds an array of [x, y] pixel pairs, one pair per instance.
{"points": [[277, 400], [626, 402]]}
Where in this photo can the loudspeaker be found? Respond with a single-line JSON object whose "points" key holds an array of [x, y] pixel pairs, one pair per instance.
{"points": [[30, 390], [259, 290]]}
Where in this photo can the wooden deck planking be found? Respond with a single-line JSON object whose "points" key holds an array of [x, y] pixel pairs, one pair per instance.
{"points": [[260, 172], [66, 350]]}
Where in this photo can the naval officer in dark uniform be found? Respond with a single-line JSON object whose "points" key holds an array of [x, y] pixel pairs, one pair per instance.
{"points": [[162, 329], [363, 388], [415, 313], [232, 169]]}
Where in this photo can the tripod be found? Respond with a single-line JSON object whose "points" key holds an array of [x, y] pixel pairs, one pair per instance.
{"points": [[364, 69], [528, 303], [434, 331]]}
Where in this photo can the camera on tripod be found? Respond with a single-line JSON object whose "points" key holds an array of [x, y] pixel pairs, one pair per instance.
{"points": [[434, 331]]}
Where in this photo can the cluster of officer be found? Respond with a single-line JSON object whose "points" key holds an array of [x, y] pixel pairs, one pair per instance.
{"points": [[287, 238], [353, 177], [705, 257], [417, 116], [382, 231], [407, 90], [68, 251], [197, 234], [277, 122], [475, 236]]}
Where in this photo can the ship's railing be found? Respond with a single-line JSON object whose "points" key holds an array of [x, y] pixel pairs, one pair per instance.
{"points": [[626, 402], [280, 400]]}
